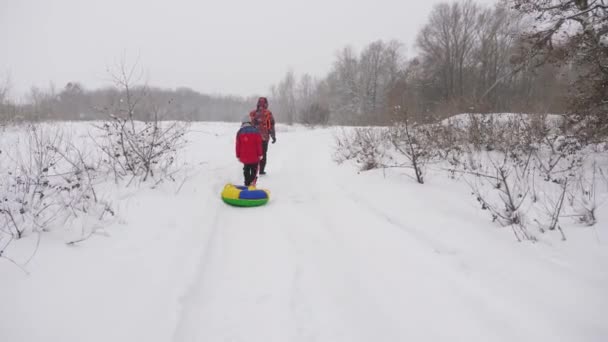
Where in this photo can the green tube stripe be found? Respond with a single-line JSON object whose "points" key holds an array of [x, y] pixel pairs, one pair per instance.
{"points": [[245, 203]]}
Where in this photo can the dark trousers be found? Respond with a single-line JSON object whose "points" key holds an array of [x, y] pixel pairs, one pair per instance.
{"points": [[263, 161], [251, 173]]}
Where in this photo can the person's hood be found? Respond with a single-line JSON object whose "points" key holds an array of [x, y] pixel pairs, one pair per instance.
{"points": [[263, 103]]}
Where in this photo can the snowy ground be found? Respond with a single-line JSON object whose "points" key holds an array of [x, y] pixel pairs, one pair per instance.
{"points": [[335, 256]]}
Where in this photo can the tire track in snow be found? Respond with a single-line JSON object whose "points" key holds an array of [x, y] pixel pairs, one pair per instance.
{"points": [[328, 303], [491, 307], [437, 246], [371, 294], [481, 306], [188, 299], [241, 292], [361, 301]]}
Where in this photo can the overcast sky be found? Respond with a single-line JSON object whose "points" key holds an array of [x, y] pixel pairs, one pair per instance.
{"points": [[228, 47]]}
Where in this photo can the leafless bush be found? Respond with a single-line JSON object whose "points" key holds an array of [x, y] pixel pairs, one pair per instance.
{"points": [[415, 142], [148, 151], [367, 146], [583, 196], [47, 182], [480, 131], [448, 144], [552, 207], [526, 164], [138, 149], [558, 156], [508, 178], [499, 168], [557, 153]]}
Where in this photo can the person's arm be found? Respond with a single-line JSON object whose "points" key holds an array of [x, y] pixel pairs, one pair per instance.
{"points": [[271, 128], [237, 145]]}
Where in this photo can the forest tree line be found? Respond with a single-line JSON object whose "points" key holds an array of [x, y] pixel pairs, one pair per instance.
{"points": [[525, 56], [522, 56]]}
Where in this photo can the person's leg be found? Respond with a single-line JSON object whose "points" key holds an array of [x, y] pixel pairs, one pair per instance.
{"points": [[251, 174], [246, 174], [263, 161], [254, 174]]}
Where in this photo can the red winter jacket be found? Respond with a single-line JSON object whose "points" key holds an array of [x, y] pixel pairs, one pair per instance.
{"points": [[262, 119], [248, 145]]}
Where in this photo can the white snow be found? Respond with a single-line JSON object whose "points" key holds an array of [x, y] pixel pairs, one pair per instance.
{"points": [[336, 255]]}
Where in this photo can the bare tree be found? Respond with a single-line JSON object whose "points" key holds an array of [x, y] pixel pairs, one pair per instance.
{"points": [[72, 103], [496, 33], [315, 114], [447, 41], [380, 63], [5, 87], [574, 33], [285, 97], [144, 148], [129, 79], [344, 88], [42, 103]]}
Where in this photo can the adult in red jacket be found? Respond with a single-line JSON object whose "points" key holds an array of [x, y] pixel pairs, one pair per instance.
{"points": [[262, 118], [249, 150]]}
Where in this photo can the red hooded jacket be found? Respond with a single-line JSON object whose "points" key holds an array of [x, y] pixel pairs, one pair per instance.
{"points": [[262, 119], [248, 145]]}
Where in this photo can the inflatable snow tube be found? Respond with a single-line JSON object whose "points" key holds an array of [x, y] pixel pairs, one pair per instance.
{"points": [[241, 196]]}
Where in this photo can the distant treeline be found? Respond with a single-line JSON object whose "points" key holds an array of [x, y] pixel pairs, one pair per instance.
{"points": [[532, 56], [74, 102]]}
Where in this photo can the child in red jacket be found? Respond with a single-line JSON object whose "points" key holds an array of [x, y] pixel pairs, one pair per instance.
{"points": [[249, 150]]}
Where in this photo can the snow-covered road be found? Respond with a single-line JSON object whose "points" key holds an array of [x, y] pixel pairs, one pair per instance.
{"points": [[327, 261], [334, 256]]}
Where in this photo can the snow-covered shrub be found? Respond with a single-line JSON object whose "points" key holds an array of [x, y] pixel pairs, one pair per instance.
{"points": [[480, 131], [417, 143], [138, 149], [584, 195], [141, 149], [366, 146], [502, 186], [47, 182], [551, 205], [527, 168], [497, 162]]}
